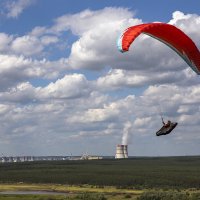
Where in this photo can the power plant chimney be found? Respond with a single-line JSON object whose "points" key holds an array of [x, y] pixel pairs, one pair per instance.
{"points": [[121, 151]]}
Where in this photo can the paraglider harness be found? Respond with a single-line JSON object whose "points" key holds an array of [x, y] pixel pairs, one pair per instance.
{"points": [[166, 128]]}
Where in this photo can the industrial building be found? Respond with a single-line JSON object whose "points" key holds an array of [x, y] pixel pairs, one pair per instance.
{"points": [[121, 151], [88, 157]]}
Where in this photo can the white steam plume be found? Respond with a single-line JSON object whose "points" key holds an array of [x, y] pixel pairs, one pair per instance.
{"points": [[126, 132]]}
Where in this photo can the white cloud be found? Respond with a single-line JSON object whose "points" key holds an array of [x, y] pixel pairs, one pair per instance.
{"points": [[96, 49], [5, 41], [88, 20], [118, 78], [105, 114], [16, 69], [3, 109], [38, 31], [75, 105], [71, 86], [142, 122], [22, 93], [16, 7], [27, 45], [189, 23], [58, 109]]}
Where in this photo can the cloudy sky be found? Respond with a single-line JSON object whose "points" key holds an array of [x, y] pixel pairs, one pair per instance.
{"points": [[65, 89]]}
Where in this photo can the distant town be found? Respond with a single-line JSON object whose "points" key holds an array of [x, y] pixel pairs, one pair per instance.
{"points": [[13, 159], [121, 153]]}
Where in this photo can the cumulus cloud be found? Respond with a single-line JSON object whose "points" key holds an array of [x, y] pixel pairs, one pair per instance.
{"points": [[94, 115], [27, 45], [71, 86], [88, 20], [189, 23], [15, 69], [141, 122], [118, 78], [23, 93], [96, 49], [105, 114], [73, 106]]}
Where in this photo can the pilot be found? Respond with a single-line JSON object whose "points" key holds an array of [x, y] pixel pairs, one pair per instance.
{"points": [[166, 125]]}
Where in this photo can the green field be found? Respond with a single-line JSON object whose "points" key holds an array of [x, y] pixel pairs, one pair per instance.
{"points": [[136, 178], [172, 172]]}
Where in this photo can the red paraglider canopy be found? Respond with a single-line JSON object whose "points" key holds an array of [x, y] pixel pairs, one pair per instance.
{"points": [[168, 34]]}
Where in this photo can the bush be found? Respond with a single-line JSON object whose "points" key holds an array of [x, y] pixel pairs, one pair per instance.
{"points": [[88, 196], [127, 196], [164, 196]]}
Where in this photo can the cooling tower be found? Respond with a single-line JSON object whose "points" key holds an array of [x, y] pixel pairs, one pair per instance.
{"points": [[125, 151], [121, 151]]}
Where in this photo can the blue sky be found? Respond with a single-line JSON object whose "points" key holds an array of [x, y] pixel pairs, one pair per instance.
{"points": [[65, 89], [47, 11]]}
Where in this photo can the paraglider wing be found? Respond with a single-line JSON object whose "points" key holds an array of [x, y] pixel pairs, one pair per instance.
{"points": [[169, 35], [166, 130]]}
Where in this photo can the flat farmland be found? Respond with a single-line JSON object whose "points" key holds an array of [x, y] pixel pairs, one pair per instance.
{"points": [[134, 173]]}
